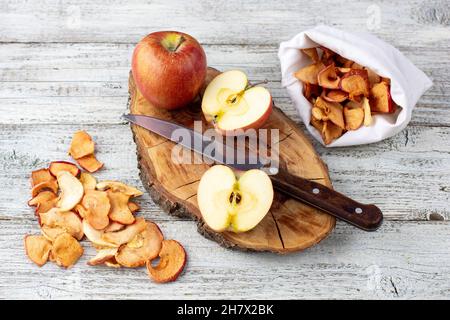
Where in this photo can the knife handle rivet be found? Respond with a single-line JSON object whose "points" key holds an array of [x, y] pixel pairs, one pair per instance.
{"points": [[315, 191], [358, 210]]}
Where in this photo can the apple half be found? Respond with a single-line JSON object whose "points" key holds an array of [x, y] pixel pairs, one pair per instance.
{"points": [[231, 104], [230, 204]]}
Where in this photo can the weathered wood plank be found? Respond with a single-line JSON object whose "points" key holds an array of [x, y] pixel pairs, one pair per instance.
{"points": [[241, 22], [37, 79], [401, 260], [408, 176]]}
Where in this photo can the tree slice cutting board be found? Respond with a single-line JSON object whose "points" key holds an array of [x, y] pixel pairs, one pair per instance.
{"points": [[289, 226]]}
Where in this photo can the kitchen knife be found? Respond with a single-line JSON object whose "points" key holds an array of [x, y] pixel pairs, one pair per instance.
{"points": [[367, 217]]}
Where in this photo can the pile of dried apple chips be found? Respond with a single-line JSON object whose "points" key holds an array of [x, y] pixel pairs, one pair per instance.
{"points": [[71, 205], [343, 93]]}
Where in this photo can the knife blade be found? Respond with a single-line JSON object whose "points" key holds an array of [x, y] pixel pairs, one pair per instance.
{"points": [[367, 217]]}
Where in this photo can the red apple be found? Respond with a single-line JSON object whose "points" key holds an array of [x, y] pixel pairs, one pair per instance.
{"points": [[169, 68]]}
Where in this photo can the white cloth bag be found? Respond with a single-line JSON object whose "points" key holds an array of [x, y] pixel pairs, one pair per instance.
{"points": [[408, 83]]}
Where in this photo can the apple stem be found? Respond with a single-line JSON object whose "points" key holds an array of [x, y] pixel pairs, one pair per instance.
{"points": [[256, 84], [180, 41]]}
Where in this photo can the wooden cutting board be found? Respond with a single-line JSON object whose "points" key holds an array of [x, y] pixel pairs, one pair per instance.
{"points": [[289, 226]]}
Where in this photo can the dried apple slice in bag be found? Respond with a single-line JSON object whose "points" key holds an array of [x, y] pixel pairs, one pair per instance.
{"points": [[97, 206], [335, 95], [328, 78], [367, 112], [309, 73], [37, 249], [66, 250], [81, 145], [332, 110], [319, 114], [330, 132], [145, 246], [380, 99], [354, 116], [172, 259], [318, 124], [311, 53], [373, 77], [71, 191], [311, 90], [355, 82]]}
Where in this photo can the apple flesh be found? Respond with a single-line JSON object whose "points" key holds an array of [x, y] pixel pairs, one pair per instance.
{"points": [[230, 204], [233, 106], [169, 68]]}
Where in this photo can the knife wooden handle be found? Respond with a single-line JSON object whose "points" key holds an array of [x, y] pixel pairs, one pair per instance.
{"points": [[364, 216]]}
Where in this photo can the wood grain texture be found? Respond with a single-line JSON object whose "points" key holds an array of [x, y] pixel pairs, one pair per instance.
{"points": [[64, 66], [289, 226], [226, 22], [402, 261], [80, 74]]}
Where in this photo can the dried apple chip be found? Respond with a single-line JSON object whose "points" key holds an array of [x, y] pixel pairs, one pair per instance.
{"points": [[114, 226], [125, 235], [380, 98], [133, 206], [39, 176], [120, 212], [90, 163], [88, 181], [58, 166], [119, 187], [97, 206], [354, 117], [318, 124], [102, 256], [172, 259], [367, 113], [37, 249], [373, 77], [71, 191], [335, 95], [145, 246], [355, 82], [309, 73], [95, 236], [44, 201], [81, 145], [54, 220], [66, 250], [51, 185], [312, 54], [332, 110], [82, 211], [328, 78], [318, 114], [330, 132], [311, 90]]}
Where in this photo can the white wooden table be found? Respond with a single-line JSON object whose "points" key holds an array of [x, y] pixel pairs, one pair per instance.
{"points": [[64, 66]]}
